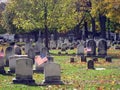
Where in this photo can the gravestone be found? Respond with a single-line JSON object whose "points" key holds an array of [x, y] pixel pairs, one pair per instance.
{"points": [[17, 50], [39, 45], [23, 71], [90, 64], [40, 68], [83, 58], [80, 49], [8, 52], [12, 62], [31, 54], [52, 74], [28, 45], [2, 71], [64, 48], [102, 48], [52, 44], [108, 59], [72, 60], [59, 43], [91, 44]]}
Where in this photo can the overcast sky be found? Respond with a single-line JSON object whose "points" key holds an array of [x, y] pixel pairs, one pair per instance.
{"points": [[3, 0]]}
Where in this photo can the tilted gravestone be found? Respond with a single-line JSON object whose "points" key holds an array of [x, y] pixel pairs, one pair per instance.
{"points": [[8, 52], [17, 50], [52, 73], [102, 48], [24, 71], [31, 54], [2, 71], [91, 44], [12, 62], [80, 49]]}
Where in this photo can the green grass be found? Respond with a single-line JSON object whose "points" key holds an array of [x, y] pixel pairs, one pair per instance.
{"points": [[75, 75]]}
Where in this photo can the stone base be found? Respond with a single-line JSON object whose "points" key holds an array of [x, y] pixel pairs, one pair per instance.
{"points": [[38, 71], [23, 81], [52, 83]]}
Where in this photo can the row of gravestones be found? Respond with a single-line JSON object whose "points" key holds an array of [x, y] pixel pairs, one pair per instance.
{"points": [[91, 48], [22, 66]]}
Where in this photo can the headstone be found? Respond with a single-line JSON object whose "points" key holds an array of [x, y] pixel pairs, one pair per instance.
{"points": [[52, 44], [39, 45], [40, 68], [31, 54], [8, 52], [28, 45], [80, 49], [90, 64], [59, 43], [17, 50], [83, 58], [2, 71], [91, 44], [52, 74], [72, 60], [102, 48], [12, 62], [24, 71], [108, 59]]}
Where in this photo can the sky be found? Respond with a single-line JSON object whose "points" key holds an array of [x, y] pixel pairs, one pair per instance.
{"points": [[3, 0]]}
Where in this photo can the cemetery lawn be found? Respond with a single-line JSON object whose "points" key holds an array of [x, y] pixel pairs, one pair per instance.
{"points": [[75, 76]]}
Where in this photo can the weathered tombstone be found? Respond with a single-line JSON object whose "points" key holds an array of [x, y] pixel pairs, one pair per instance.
{"points": [[80, 49], [108, 59], [2, 71], [52, 74], [17, 50], [59, 43], [91, 44], [102, 48], [31, 54], [8, 52], [28, 45], [39, 45], [12, 62], [52, 44], [64, 48], [90, 64], [24, 71]]}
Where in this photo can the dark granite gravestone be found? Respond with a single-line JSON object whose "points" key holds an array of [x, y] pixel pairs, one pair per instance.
{"points": [[2, 71], [91, 44], [31, 54], [17, 50], [72, 60], [8, 52], [24, 71], [80, 49], [102, 48], [52, 74], [12, 62], [108, 59], [90, 64], [83, 58]]}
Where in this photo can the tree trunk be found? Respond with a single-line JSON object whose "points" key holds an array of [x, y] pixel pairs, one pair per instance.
{"points": [[102, 20], [93, 27], [86, 29]]}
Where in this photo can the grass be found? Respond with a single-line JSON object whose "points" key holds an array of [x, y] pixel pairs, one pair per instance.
{"points": [[75, 75]]}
